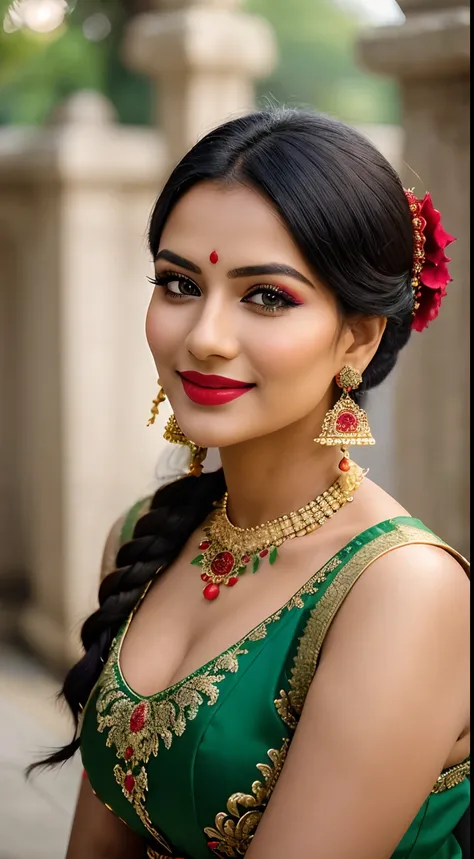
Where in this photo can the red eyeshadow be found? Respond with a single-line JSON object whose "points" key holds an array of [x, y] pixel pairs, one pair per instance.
{"points": [[290, 294]]}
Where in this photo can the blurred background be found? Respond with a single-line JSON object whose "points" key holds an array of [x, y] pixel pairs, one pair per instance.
{"points": [[98, 100]]}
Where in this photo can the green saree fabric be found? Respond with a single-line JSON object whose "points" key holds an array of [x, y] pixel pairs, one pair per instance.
{"points": [[192, 768]]}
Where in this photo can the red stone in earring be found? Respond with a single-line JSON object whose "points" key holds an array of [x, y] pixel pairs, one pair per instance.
{"points": [[214, 257]]}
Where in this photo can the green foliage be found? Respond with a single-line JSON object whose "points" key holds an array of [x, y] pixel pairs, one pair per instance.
{"points": [[317, 67], [37, 71]]}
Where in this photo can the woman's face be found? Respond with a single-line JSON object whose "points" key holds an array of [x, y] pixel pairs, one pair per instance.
{"points": [[235, 298]]}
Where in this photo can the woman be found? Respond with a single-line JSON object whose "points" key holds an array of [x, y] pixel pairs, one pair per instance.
{"points": [[290, 269]]}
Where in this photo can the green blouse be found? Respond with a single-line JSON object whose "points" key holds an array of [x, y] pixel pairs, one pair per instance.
{"points": [[192, 768]]}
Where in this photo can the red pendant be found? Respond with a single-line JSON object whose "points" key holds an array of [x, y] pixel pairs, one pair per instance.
{"points": [[263, 553], [211, 592], [347, 422], [205, 577], [223, 564], [345, 464], [128, 753], [233, 581], [204, 545]]}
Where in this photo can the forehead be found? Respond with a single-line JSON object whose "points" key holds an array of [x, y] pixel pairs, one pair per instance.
{"points": [[237, 221]]}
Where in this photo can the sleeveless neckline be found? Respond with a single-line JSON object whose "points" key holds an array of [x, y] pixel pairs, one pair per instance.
{"points": [[171, 764], [346, 549]]}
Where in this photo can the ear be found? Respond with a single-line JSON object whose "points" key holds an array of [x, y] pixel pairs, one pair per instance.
{"points": [[365, 336]]}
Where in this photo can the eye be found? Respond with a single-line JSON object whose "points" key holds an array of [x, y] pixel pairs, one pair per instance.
{"points": [[270, 299], [176, 285]]}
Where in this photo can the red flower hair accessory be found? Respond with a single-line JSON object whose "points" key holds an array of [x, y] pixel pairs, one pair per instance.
{"points": [[430, 275]]}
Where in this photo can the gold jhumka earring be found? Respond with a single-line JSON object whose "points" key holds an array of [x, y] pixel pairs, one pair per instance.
{"points": [[346, 423], [174, 434], [159, 399]]}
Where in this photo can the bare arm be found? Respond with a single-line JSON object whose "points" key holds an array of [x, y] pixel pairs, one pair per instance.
{"points": [[387, 704], [98, 834]]}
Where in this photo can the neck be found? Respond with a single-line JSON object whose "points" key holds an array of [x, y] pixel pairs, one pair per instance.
{"points": [[276, 474]]}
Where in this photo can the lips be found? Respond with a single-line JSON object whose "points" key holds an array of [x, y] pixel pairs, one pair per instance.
{"points": [[210, 390]]}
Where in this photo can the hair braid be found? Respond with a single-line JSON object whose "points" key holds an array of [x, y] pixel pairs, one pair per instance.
{"points": [[177, 509]]}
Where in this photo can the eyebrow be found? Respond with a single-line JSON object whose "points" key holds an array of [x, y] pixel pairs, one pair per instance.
{"points": [[246, 271], [269, 268], [169, 256]]}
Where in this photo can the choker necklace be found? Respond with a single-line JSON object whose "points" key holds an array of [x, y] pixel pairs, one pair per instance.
{"points": [[228, 551]]}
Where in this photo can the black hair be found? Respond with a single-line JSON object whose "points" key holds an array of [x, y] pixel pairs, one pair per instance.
{"points": [[346, 210], [340, 199]]}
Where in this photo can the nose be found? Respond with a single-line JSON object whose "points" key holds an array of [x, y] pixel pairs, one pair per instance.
{"points": [[213, 333]]}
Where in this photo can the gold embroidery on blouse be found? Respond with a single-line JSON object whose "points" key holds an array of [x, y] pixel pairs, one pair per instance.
{"points": [[296, 601], [136, 729], [134, 787], [452, 777], [289, 704], [152, 854], [261, 631], [312, 586], [135, 794], [235, 828]]}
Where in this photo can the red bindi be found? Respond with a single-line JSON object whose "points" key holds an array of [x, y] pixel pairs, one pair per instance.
{"points": [[214, 257]]}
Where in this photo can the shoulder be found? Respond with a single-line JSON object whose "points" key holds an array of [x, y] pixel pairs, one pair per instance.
{"points": [[416, 571], [412, 553], [413, 598], [401, 641]]}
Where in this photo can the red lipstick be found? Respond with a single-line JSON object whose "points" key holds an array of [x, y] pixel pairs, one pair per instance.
{"points": [[209, 390]]}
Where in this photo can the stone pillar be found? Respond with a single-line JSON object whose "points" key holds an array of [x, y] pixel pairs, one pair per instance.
{"points": [[14, 539], [74, 200], [429, 56], [204, 56]]}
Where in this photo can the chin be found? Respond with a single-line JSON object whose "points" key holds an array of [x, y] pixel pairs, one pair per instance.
{"points": [[209, 438], [210, 431]]}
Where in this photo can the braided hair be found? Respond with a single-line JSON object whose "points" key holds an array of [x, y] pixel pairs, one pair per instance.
{"points": [[176, 511], [346, 210]]}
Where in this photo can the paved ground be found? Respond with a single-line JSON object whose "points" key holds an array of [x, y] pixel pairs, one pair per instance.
{"points": [[35, 816]]}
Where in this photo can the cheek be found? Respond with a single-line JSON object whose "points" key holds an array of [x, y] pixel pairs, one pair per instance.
{"points": [[152, 328], [150, 325], [301, 347], [160, 331]]}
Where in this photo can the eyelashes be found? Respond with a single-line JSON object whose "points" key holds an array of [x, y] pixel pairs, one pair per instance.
{"points": [[280, 298], [185, 283], [273, 298]]}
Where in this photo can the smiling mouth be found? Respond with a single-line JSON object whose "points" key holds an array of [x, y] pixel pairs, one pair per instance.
{"points": [[210, 390]]}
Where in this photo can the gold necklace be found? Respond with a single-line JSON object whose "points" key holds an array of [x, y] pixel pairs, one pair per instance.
{"points": [[228, 551]]}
